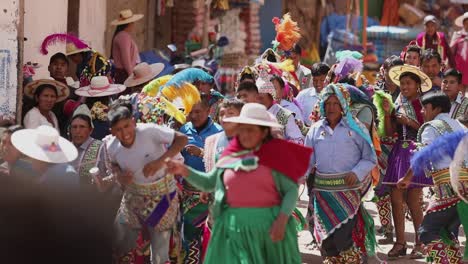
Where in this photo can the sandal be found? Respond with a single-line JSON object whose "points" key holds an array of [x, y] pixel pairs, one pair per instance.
{"points": [[398, 249], [417, 252]]}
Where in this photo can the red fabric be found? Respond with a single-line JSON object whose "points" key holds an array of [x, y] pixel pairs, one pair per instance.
{"points": [[288, 158], [417, 108]]}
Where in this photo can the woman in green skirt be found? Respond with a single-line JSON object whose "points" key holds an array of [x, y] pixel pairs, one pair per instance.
{"points": [[255, 186]]}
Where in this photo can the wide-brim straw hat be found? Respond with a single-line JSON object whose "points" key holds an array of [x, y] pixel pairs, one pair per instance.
{"points": [[45, 144], [143, 73], [396, 71], [63, 91], [100, 87], [125, 17], [460, 19], [253, 114]]}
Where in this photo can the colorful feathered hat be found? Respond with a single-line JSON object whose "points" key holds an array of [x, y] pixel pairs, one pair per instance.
{"points": [[180, 85], [287, 33], [73, 44]]}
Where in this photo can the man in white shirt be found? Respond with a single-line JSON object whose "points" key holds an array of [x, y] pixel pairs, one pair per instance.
{"points": [[452, 86], [303, 73], [309, 97], [150, 201]]}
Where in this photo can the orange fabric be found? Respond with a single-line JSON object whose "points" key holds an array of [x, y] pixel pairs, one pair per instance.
{"points": [[375, 173], [389, 13]]}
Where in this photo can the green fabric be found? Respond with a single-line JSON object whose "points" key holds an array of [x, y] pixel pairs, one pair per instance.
{"points": [[191, 230], [462, 209], [212, 181], [371, 243], [241, 236]]}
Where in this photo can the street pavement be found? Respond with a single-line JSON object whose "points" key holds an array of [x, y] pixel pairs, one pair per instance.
{"points": [[310, 255]]}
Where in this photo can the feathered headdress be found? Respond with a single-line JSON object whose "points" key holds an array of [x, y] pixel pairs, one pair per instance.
{"points": [[287, 33], [61, 37], [379, 97], [152, 88], [187, 92], [442, 147], [189, 75]]}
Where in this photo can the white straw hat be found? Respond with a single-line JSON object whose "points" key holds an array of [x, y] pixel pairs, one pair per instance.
{"points": [[100, 87], [460, 19], [143, 72], [253, 114], [125, 17], [45, 144]]}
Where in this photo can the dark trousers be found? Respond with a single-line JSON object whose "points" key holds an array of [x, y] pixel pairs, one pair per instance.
{"points": [[340, 240], [434, 222]]}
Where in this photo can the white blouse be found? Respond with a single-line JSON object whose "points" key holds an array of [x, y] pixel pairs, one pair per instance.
{"points": [[34, 119]]}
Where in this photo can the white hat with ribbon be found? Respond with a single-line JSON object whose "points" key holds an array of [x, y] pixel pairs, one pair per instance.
{"points": [[253, 114], [100, 87], [45, 144]]}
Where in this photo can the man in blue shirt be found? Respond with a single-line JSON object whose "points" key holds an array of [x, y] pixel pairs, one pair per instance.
{"points": [[195, 211], [342, 160]]}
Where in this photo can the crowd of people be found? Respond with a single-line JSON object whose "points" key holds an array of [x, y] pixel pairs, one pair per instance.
{"points": [[194, 176]]}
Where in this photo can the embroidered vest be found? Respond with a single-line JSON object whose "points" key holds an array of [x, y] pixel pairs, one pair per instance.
{"points": [[440, 126], [461, 109], [282, 116], [88, 161]]}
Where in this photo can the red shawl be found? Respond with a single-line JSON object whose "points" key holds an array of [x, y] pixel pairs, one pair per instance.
{"points": [[288, 158]]}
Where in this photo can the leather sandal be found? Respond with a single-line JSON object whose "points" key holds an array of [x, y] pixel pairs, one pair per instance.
{"points": [[398, 250]]}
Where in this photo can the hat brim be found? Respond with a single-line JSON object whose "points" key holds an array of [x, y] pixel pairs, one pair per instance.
{"points": [[131, 19], [86, 91], [63, 91], [77, 51], [25, 141], [156, 69], [459, 20], [396, 71], [251, 121]]}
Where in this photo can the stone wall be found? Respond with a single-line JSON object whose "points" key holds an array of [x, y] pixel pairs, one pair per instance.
{"points": [[9, 46]]}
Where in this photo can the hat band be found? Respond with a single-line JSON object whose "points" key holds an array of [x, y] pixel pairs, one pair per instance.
{"points": [[53, 147], [121, 17], [99, 88]]}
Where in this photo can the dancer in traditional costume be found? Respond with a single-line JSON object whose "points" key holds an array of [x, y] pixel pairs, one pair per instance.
{"points": [[195, 210], [266, 95], [441, 213], [150, 202], [405, 120], [339, 183], [254, 193], [439, 137], [89, 62]]}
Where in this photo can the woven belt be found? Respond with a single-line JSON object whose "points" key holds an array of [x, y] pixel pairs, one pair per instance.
{"points": [[443, 176], [333, 182], [164, 185]]}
